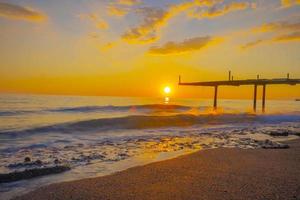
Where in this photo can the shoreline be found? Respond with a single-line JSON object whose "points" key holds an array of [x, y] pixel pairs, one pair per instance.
{"points": [[223, 173]]}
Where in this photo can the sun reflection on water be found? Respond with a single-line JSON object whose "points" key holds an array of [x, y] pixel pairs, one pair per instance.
{"points": [[167, 100]]}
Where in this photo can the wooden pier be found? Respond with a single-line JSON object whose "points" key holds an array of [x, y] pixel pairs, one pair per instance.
{"points": [[255, 82]]}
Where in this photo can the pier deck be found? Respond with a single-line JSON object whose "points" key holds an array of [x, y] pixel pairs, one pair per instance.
{"points": [[255, 82]]}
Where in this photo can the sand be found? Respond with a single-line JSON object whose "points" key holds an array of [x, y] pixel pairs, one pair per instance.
{"points": [[208, 174]]}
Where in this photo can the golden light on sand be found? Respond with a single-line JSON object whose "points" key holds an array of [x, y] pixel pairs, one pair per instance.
{"points": [[167, 90]]}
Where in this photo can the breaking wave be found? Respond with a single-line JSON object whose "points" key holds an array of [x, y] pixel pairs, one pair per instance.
{"points": [[109, 108], [152, 121]]}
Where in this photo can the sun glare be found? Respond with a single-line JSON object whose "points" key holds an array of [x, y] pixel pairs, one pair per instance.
{"points": [[167, 90]]}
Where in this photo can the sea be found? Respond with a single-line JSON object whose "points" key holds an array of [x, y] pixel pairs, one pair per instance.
{"points": [[97, 135]]}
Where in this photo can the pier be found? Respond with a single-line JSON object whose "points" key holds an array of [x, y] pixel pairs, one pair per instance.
{"points": [[255, 82]]}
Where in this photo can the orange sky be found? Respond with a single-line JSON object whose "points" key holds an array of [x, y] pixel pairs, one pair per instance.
{"points": [[136, 47]]}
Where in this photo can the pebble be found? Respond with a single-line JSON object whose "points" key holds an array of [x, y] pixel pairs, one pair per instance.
{"points": [[277, 133], [27, 159], [268, 144], [38, 162], [56, 161]]}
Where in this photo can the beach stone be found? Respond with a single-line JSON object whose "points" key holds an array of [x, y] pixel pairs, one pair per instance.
{"points": [[298, 134], [279, 133], [56, 161], [268, 144], [267, 141], [27, 159], [282, 146], [31, 173], [27, 163], [38, 162], [123, 155]]}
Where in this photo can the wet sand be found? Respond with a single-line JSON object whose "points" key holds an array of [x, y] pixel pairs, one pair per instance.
{"points": [[208, 174]]}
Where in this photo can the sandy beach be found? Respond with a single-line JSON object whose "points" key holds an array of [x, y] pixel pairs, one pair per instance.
{"points": [[224, 173]]}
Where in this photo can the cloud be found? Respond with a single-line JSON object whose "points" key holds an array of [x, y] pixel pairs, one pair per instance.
{"points": [[216, 11], [288, 37], [121, 8], [156, 18], [108, 46], [128, 2], [94, 35], [281, 31], [153, 19], [278, 26], [117, 10], [98, 21], [186, 46], [251, 44], [17, 12], [289, 3]]}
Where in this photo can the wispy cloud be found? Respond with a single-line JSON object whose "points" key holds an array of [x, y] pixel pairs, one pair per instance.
{"points": [[251, 44], [289, 3], [280, 31], [278, 26], [156, 18], [146, 32], [96, 19], [17, 12], [121, 8], [117, 10], [128, 2], [217, 10], [186, 46], [153, 19], [288, 37]]}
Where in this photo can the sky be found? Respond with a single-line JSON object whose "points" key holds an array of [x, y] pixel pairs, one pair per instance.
{"points": [[137, 47]]}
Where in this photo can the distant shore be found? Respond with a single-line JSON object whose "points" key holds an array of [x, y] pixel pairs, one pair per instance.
{"points": [[222, 173]]}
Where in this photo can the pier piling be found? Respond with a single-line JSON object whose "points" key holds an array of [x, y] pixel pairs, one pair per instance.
{"points": [[264, 99], [216, 98], [254, 98]]}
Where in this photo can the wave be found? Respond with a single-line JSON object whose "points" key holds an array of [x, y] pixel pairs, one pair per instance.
{"points": [[122, 108], [109, 108], [151, 122], [16, 112]]}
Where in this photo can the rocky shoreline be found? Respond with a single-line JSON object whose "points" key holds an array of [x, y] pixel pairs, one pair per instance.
{"points": [[29, 169], [222, 173]]}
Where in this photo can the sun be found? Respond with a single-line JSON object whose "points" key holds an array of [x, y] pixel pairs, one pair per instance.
{"points": [[167, 90]]}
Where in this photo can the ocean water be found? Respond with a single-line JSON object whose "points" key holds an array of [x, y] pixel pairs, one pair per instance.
{"points": [[97, 136]]}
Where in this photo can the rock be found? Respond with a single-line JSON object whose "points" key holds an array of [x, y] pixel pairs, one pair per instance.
{"points": [[56, 161], [279, 133], [280, 146], [123, 154], [31, 173], [27, 159], [268, 141], [38, 162], [273, 145], [27, 163], [284, 146]]}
